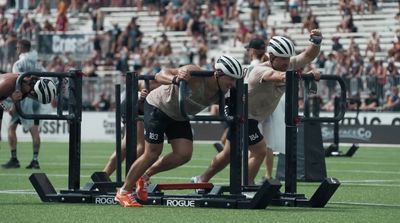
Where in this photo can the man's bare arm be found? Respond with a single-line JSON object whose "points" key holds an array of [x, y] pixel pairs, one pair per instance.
{"points": [[308, 55], [273, 76]]}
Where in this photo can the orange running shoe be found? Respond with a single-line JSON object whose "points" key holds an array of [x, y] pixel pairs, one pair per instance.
{"points": [[126, 199], [141, 189]]}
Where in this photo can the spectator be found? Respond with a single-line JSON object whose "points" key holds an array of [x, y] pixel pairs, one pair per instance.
{"points": [[164, 47], [371, 103], [26, 27], [89, 68], [103, 104], [354, 102], [329, 69], [393, 100], [353, 47], [321, 59], [11, 44], [61, 22], [202, 48], [56, 64], [115, 32], [294, 11], [215, 24], [27, 62], [357, 65], [43, 7], [242, 33], [337, 46], [392, 73], [358, 6], [394, 52], [373, 44], [135, 35], [347, 23], [379, 73], [186, 55], [48, 26], [254, 5], [16, 21], [264, 12], [372, 5], [344, 5], [4, 25], [97, 19], [310, 22], [261, 31], [122, 63]]}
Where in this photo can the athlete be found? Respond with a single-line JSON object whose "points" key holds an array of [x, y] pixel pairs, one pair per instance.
{"points": [[162, 115], [266, 85]]}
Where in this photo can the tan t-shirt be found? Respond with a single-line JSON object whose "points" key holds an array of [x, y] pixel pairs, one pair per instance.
{"points": [[263, 97], [198, 98]]}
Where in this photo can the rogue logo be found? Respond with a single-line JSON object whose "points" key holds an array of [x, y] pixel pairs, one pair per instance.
{"points": [[104, 200], [180, 203]]}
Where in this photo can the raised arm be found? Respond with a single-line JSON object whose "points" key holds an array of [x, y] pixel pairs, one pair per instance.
{"points": [[310, 53]]}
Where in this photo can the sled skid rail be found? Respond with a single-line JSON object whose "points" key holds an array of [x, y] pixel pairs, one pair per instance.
{"points": [[183, 186]]}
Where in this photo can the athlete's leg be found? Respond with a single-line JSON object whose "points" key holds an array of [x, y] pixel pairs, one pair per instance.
{"points": [[112, 161], [220, 161], [256, 156], [181, 153], [138, 168], [269, 163]]}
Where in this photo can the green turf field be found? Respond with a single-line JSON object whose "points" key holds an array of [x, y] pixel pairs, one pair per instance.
{"points": [[370, 190]]}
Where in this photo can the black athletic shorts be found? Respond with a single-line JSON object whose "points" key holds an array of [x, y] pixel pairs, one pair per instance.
{"points": [[35, 121], [254, 133], [156, 123]]}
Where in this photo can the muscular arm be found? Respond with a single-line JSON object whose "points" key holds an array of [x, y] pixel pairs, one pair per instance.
{"points": [[299, 61], [308, 55], [273, 76], [165, 76]]}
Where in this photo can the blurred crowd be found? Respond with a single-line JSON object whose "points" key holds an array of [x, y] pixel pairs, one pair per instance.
{"points": [[118, 49]]}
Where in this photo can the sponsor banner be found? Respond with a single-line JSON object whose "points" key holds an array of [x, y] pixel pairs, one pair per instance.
{"points": [[96, 126], [369, 118], [100, 126], [79, 45], [375, 134]]}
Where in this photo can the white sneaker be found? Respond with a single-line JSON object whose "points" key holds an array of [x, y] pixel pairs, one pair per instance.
{"points": [[196, 179], [249, 194]]}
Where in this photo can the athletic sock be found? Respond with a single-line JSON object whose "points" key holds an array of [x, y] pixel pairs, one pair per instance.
{"points": [[14, 154], [146, 177], [122, 190], [35, 156]]}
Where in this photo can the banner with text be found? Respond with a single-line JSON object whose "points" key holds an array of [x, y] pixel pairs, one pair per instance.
{"points": [[379, 128], [79, 45]]}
